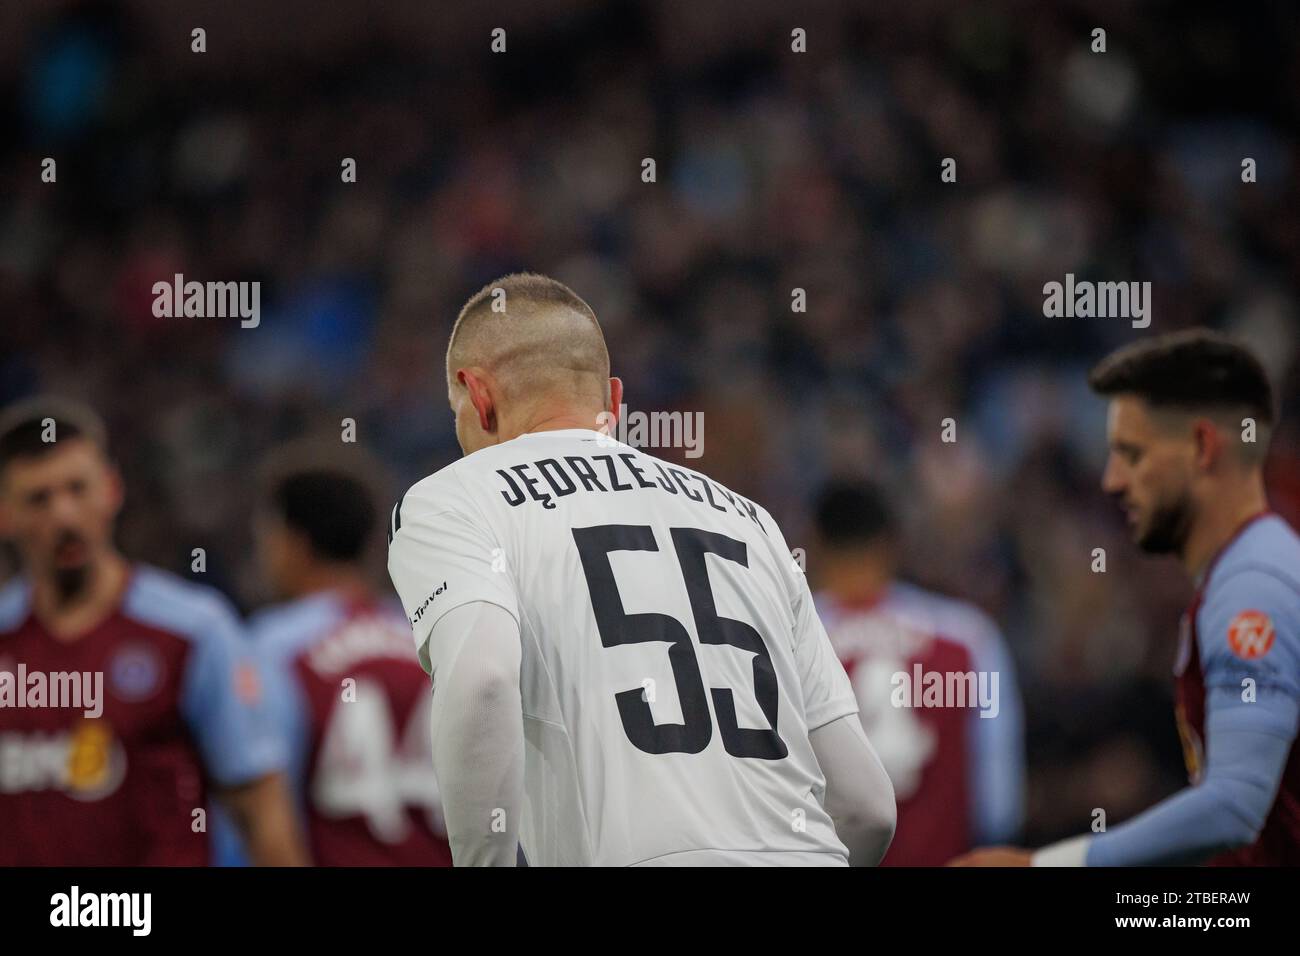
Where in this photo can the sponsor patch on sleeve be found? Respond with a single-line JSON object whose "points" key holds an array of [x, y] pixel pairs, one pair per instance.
{"points": [[1250, 635], [248, 686]]}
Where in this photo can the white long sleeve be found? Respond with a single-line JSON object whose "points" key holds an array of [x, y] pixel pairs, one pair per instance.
{"points": [[859, 794], [478, 738]]}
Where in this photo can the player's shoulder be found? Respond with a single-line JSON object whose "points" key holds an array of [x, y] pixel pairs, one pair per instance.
{"points": [[1250, 608], [170, 603], [1263, 563], [446, 489], [732, 500], [696, 474], [942, 614], [283, 629], [15, 602]]}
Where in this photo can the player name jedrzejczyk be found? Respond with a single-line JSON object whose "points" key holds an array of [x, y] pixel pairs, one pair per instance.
{"points": [[62, 690], [548, 479], [75, 908], [208, 300]]}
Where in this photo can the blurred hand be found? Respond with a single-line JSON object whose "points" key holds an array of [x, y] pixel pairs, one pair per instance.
{"points": [[994, 856]]}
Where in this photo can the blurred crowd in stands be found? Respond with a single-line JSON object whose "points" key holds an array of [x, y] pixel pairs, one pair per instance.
{"points": [[775, 171]]}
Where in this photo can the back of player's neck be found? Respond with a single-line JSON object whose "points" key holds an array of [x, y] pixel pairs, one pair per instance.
{"points": [[858, 586], [345, 583], [561, 421]]}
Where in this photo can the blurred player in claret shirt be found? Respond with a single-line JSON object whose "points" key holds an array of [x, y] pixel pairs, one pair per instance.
{"points": [[183, 708], [1189, 422], [352, 699], [958, 772]]}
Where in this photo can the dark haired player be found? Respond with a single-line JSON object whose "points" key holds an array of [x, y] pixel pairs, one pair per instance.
{"points": [[182, 709], [958, 769], [1182, 410], [355, 703]]}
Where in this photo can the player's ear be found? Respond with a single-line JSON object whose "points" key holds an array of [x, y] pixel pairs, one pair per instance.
{"points": [[295, 545], [1209, 443], [116, 489], [480, 398], [615, 397]]}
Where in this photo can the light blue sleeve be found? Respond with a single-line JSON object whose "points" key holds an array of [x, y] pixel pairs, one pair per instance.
{"points": [[1248, 636], [286, 710], [998, 744], [1249, 629], [224, 702], [287, 705], [1226, 810]]}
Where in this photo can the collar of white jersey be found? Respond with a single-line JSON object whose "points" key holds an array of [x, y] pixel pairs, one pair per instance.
{"points": [[566, 433]]}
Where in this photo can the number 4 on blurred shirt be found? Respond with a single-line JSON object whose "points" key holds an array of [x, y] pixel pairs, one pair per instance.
{"points": [[353, 705]]}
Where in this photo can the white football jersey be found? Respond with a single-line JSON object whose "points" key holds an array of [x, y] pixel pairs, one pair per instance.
{"points": [[673, 663]]}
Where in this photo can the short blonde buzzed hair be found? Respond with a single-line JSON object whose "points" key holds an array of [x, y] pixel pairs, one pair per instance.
{"points": [[536, 335]]}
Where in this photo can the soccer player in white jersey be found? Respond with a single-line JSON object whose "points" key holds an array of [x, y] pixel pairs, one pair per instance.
{"points": [[627, 666]]}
